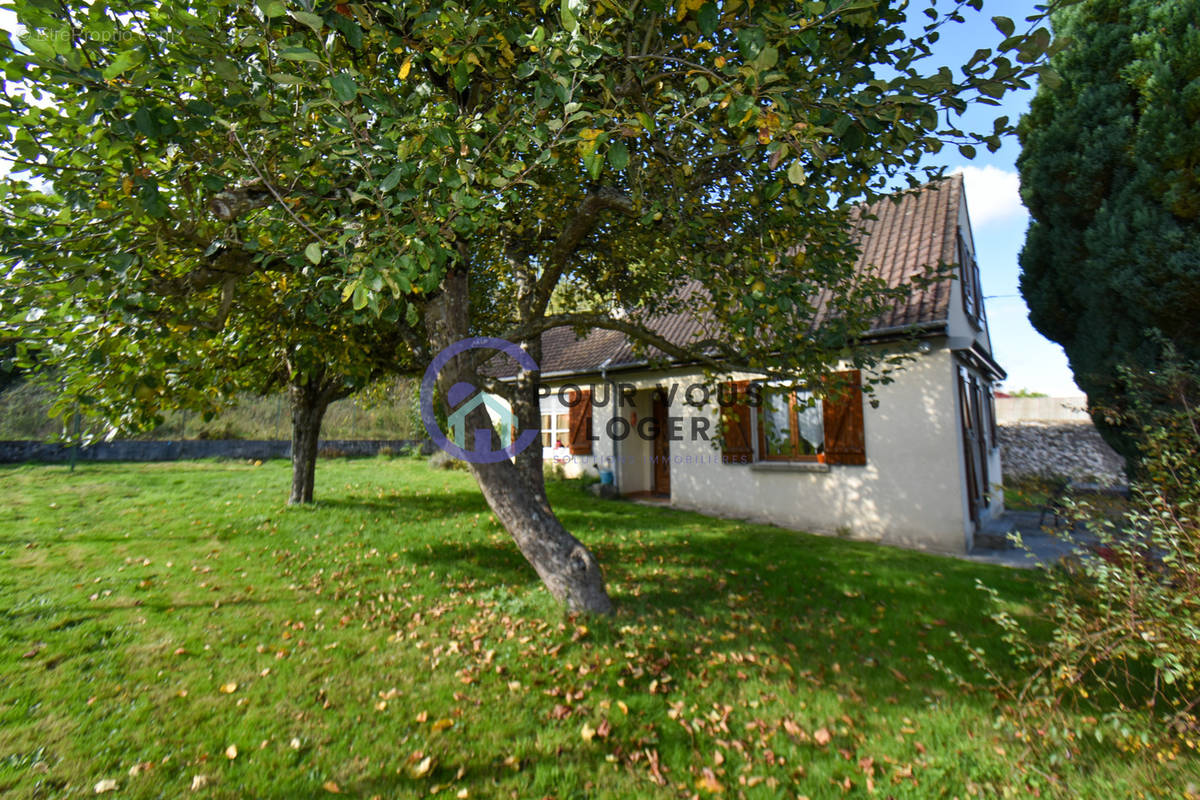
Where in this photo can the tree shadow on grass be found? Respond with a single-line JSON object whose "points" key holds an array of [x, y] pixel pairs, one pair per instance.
{"points": [[439, 504], [860, 617]]}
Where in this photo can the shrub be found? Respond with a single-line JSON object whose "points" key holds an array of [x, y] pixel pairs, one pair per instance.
{"points": [[1124, 619], [443, 460]]}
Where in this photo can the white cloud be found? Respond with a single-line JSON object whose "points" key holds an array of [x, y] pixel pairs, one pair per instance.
{"points": [[993, 194]]}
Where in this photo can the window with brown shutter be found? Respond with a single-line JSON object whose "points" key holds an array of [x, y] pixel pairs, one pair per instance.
{"points": [[581, 423], [845, 436], [736, 442]]}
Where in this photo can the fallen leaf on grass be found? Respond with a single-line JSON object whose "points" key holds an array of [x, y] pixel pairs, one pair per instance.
{"points": [[822, 736], [199, 782], [708, 782], [106, 785], [229, 688], [231, 752], [419, 768], [587, 732], [331, 787], [442, 724]]}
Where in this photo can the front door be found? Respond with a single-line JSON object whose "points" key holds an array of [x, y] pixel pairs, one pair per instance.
{"points": [[661, 446], [974, 457]]}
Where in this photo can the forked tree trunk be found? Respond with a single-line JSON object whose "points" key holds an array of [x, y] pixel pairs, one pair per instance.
{"points": [[308, 401], [565, 565]]}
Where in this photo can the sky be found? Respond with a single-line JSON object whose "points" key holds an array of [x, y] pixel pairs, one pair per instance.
{"points": [[998, 219]]}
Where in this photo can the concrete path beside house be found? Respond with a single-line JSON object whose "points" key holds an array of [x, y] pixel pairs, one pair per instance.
{"points": [[1040, 547]]}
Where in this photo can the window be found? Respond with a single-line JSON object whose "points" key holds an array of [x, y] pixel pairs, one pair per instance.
{"points": [[791, 425], [972, 291], [777, 423], [555, 429]]}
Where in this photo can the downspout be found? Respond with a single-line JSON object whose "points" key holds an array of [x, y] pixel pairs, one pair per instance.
{"points": [[612, 395]]}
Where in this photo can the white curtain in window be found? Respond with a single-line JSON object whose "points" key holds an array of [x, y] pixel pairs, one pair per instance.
{"points": [[812, 426]]}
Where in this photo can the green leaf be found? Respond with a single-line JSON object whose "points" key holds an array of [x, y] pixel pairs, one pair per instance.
{"points": [[767, 58], [1004, 25], [286, 79], [1049, 77], [344, 87], [618, 156], [313, 21], [313, 253], [125, 60], [359, 298], [271, 8], [569, 22], [299, 54], [967, 150], [225, 70], [389, 183], [594, 163], [707, 18], [143, 120], [796, 174]]}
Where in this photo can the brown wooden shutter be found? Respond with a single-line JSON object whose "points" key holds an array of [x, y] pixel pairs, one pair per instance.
{"points": [[579, 423], [736, 442], [990, 395], [845, 437]]}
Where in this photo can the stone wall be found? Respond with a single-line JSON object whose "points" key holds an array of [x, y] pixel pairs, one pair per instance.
{"points": [[126, 450], [1071, 449]]}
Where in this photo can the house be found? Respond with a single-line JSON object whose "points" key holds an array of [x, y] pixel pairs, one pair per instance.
{"points": [[921, 470]]}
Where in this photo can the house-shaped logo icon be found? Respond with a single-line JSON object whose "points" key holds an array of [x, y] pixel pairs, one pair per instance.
{"points": [[499, 410]]}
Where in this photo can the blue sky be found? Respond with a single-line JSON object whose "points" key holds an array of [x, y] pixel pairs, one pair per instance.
{"points": [[997, 216]]}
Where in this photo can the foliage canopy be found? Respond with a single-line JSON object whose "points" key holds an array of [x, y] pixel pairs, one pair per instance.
{"points": [[1108, 174]]}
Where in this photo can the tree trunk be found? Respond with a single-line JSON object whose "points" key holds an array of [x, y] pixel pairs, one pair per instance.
{"points": [[527, 409], [566, 567], [308, 401]]}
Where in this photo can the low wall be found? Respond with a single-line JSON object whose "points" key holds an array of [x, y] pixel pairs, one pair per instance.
{"points": [[1071, 449], [130, 450], [1048, 409]]}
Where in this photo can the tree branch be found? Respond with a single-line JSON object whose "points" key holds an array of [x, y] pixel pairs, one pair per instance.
{"points": [[581, 223]]}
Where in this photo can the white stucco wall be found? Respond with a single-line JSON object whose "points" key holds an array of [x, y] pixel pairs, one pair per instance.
{"points": [[909, 493]]}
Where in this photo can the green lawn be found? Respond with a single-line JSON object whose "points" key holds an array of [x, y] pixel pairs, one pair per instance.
{"points": [[390, 642]]}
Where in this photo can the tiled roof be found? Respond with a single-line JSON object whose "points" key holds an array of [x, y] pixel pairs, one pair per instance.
{"points": [[899, 239]]}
